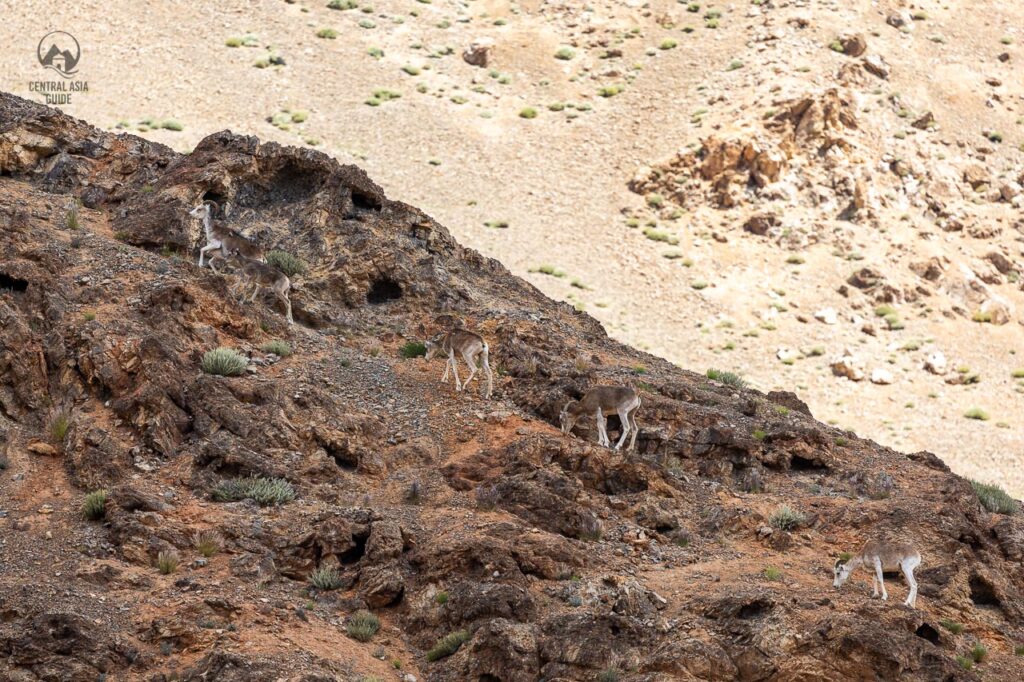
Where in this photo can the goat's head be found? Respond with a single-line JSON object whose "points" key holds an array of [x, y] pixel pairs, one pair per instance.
{"points": [[568, 416], [842, 571]]}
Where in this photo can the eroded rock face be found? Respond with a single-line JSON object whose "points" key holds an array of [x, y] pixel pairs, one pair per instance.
{"points": [[437, 511]]}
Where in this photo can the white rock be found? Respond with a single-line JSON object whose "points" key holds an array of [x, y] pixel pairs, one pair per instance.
{"points": [[881, 376], [787, 354], [936, 362], [827, 315]]}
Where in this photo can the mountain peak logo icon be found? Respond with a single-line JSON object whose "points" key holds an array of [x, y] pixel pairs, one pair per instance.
{"points": [[59, 51]]}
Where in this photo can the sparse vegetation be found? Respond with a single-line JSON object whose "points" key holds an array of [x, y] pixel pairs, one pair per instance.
{"points": [[441, 598], [978, 653], [225, 362], [952, 626], [994, 498], [608, 675], [565, 53], [286, 262], [59, 425], [362, 626], [326, 579], [772, 573], [327, 34], [277, 347], [413, 349], [727, 378], [263, 491], [977, 413], [448, 645], [964, 662], [207, 542], [167, 562], [786, 518], [95, 506], [528, 112]]}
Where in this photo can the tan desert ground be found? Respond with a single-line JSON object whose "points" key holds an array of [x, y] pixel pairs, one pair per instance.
{"points": [[806, 208]]}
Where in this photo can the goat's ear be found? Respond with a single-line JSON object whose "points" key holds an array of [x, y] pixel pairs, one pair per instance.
{"points": [[839, 562]]}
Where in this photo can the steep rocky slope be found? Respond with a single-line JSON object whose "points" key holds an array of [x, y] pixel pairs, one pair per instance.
{"points": [[439, 512]]}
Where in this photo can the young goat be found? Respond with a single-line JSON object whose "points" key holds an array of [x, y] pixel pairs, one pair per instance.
{"points": [[881, 556], [262, 276], [602, 401], [221, 241], [470, 346]]}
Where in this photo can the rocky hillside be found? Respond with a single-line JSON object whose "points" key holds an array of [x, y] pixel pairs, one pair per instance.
{"points": [[486, 545]]}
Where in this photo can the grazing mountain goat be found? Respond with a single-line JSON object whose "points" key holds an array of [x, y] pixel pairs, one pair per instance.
{"points": [[470, 346], [602, 401], [880, 556]]}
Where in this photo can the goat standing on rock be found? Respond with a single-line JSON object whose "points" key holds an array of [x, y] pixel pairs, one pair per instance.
{"points": [[262, 276], [221, 241], [877, 557], [602, 401], [470, 346]]}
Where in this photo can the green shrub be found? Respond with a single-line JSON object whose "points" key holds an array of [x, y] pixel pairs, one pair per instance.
{"points": [[994, 498], [60, 423], [727, 378], [608, 675], [952, 626], [964, 662], [171, 124], [758, 434], [342, 4], [772, 573], [448, 645], [264, 491], [610, 90], [441, 598], [286, 262], [225, 362], [207, 542], [327, 33], [325, 579], [167, 562], [1017, 373], [413, 349], [978, 653], [71, 219], [528, 112], [785, 518], [277, 347], [734, 64], [362, 626], [88, 316], [668, 44], [411, 70], [977, 413], [95, 506], [565, 53]]}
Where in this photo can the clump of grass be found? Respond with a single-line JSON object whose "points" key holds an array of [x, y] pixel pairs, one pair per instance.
{"points": [[660, 236], [413, 349], [342, 4], [772, 573], [994, 498], [786, 518], [225, 362], [167, 562], [448, 645], [325, 579], [610, 90], [550, 270], [171, 124], [263, 491], [381, 96], [727, 378], [327, 34], [277, 347], [411, 70], [759, 435], [977, 413], [286, 262], [207, 542], [952, 626], [1018, 650], [565, 53], [362, 626], [608, 675], [978, 652], [71, 219], [95, 506], [964, 662], [699, 284], [734, 64], [441, 598], [1017, 373], [528, 112], [668, 44], [60, 423]]}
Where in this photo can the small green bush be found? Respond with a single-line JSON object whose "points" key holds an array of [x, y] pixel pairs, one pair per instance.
{"points": [[978, 653], [977, 413], [71, 219], [95, 506], [264, 491], [565, 53], [608, 675], [413, 349], [325, 579], [785, 518], [171, 124], [362, 626], [727, 378], [448, 645], [772, 573], [342, 4], [277, 347], [224, 362], [994, 498], [952, 626], [286, 262], [327, 33], [207, 542], [167, 562], [759, 434], [60, 423], [441, 598], [411, 70], [528, 112], [668, 44], [964, 662]]}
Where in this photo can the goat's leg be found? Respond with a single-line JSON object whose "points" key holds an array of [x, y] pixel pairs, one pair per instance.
{"points": [[602, 429], [487, 370], [455, 370], [634, 428], [447, 368], [209, 247], [624, 420], [287, 307], [470, 359], [908, 573], [878, 572], [874, 586]]}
